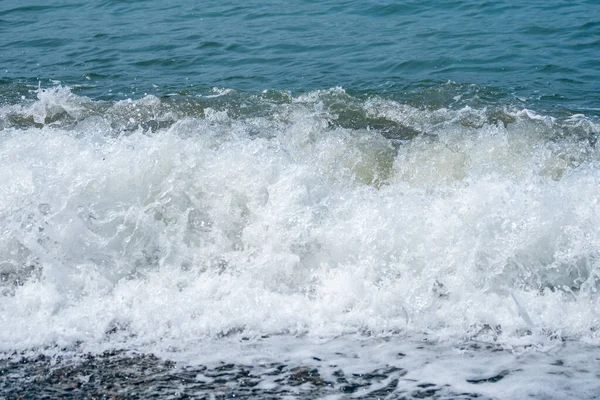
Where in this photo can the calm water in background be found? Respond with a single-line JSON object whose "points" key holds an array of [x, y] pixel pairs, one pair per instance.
{"points": [[544, 52], [302, 199]]}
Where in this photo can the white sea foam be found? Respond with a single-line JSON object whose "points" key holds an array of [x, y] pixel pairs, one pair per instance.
{"points": [[159, 239]]}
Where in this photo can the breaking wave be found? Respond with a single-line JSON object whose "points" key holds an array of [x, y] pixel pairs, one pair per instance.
{"points": [[159, 222]]}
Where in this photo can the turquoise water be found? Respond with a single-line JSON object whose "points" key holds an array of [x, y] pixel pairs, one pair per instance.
{"points": [[300, 199], [545, 54]]}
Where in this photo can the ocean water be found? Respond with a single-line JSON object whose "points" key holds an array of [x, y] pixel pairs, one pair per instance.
{"points": [[300, 199]]}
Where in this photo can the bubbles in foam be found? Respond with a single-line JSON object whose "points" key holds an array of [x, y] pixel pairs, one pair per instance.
{"points": [[306, 219]]}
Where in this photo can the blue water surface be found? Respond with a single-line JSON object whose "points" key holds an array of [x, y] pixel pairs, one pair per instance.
{"points": [[545, 54]]}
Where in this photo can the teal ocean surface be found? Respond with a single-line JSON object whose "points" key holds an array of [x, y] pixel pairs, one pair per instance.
{"points": [[303, 199], [541, 53]]}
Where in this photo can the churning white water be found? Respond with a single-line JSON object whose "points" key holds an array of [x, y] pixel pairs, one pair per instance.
{"points": [[167, 227]]}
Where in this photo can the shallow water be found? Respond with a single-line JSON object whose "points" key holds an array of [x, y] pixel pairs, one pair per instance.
{"points": [[351, 367], [274, 201]]}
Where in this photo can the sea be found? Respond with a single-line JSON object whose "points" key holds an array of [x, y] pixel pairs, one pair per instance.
{"points": [[299, 199]]}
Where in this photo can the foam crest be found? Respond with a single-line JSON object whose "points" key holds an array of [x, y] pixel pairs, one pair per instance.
{"points": [[483, 225], [51, 104]]}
